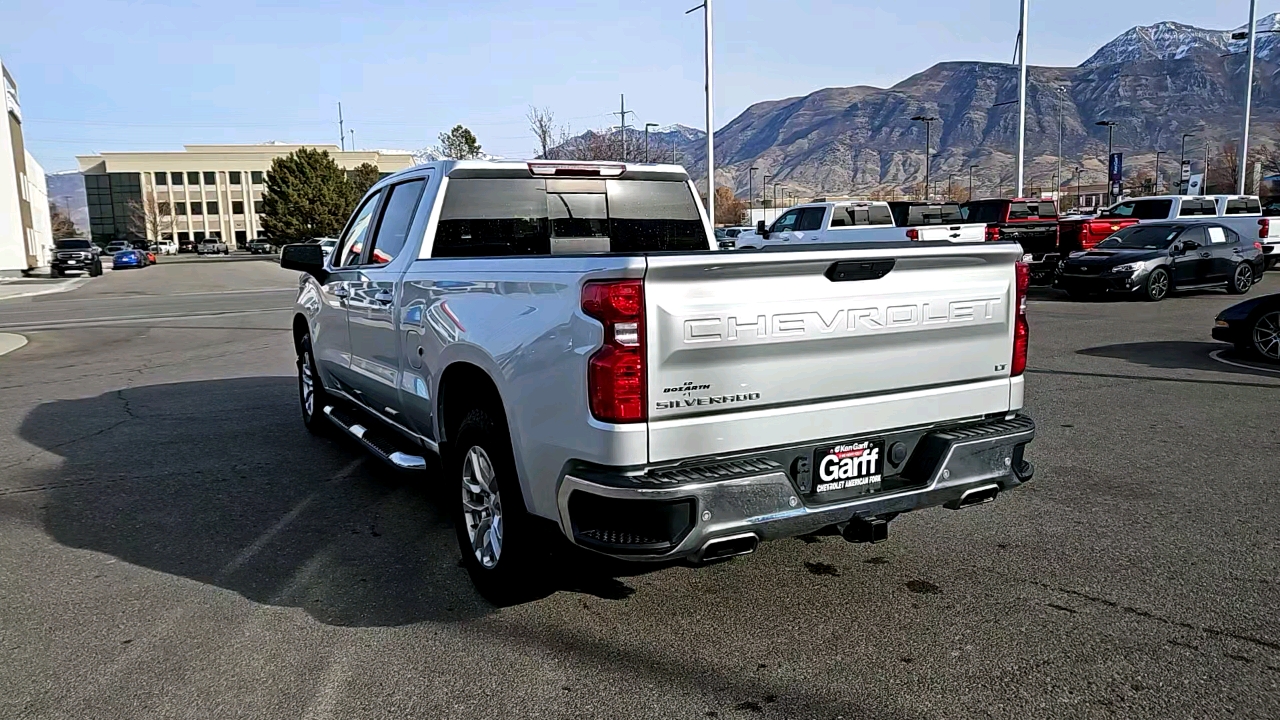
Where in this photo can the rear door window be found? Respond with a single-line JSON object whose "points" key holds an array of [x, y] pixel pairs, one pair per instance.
{"points": [[496, 217], [811, 218], [860, 216], [1217, 235], [944, 214]]}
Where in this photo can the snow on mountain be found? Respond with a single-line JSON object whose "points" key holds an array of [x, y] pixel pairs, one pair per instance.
{"points": [[1175, 41], [1162, 41]]}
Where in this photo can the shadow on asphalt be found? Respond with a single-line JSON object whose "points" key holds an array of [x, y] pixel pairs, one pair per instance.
{"points": [[1180, 355], [218, 482]]}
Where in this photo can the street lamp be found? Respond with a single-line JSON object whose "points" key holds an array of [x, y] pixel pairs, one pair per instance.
{"points": [[1078, 171], [1110, 126], [928, 121], [764, 190], [646, 139], [751, 192], [1248, 96], [1158, 154], [711, 160], [1182, 159], [1057, 190], [1022, 92], [951, 187]]}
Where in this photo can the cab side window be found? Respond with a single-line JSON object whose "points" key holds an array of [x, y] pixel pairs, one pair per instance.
{"points": [[397, 216], [786, 222], [1193, 238], [351, 247]]}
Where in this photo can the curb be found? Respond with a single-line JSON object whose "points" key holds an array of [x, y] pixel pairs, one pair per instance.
{"points": [[60, 288]]}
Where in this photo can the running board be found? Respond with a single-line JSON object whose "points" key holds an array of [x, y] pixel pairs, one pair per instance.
{"points": [[374, 441]]}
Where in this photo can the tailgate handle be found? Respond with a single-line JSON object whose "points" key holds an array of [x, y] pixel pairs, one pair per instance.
{"points": [[849, 270]]}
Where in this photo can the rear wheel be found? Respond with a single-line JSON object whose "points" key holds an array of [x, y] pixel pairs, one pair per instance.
{"points": [[1241, 279], [1264, 335], [1157, 287], [96, 270], [496, 535]]}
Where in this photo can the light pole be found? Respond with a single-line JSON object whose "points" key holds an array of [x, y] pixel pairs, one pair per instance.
{"points": [[1182, 159], [646, 139], [1057, 190], [751, 192], [1158, 154], [951, 187], [1248, 98], [1078, 171], [1022, 93], [1110, 126], [775, 202], [764, 191], [711, 151], [928, 121]]}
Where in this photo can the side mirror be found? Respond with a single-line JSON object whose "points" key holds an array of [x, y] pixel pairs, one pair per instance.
{"points": [[760, 230], [304, 257]]}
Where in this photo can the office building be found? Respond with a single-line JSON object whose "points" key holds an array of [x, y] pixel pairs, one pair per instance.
{"points": [[204, 191], [25, 239]]}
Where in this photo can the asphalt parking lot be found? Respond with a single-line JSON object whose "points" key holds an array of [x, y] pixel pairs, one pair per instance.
{"points": [[174, 544]]}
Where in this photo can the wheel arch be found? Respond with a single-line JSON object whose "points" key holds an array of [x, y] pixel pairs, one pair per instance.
{"points": [[464, 385], [300, 329]]}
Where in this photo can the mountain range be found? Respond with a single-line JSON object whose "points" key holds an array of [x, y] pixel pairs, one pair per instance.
{"points": [[1156, 82]]}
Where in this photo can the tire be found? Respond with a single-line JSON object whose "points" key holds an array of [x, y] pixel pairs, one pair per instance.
{"points": [[309, 384], [1241, 280], [96, 270], [55, 272], [1264, 334], [503, 559], [1158, 285]]}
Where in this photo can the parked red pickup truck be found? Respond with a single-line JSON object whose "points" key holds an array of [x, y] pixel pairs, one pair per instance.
{"points": [[1032, 222]]}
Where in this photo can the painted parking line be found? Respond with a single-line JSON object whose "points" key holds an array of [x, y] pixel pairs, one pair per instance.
{"points": [[10, 342], [1217, 355]]}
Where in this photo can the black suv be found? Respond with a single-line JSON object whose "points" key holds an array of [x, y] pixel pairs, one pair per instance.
{"points": [[75, 255]]}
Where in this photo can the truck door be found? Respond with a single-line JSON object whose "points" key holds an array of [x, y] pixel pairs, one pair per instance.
{"points": [[332, 340], [375, 341], [783, 230]]}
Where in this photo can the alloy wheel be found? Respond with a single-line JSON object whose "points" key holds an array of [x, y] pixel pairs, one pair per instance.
{"points": [[1266, 335], [308, 384], [1244, 278], [482, 506], [1159, 285]]}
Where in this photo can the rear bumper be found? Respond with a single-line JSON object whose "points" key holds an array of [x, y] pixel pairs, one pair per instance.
{"points": [[684, 509]]}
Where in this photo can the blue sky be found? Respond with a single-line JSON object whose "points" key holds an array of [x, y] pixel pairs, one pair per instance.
{"points": [[107, 75]]}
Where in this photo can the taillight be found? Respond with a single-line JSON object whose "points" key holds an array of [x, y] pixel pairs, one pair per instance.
{"points": [[616, 372], [1264, 228], [993, 233], [1257, 246], [913, 234], [1021, 331]]}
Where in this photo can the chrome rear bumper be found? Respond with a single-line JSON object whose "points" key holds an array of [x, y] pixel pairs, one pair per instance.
{"points": [[761, 497]]}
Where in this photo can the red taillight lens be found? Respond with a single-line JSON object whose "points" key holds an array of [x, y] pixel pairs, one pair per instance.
{"points": [[993, 233], [1264, 228], [913, 234], [1257, 246], [616, 374], [1021, 331]]}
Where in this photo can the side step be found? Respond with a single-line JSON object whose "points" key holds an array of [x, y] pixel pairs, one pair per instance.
{"points": [[375, 441]]}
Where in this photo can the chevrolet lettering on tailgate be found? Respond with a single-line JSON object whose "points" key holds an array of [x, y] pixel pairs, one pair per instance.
{"points": [[813, 323]]}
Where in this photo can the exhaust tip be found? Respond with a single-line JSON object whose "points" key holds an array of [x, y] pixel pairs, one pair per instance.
{"points": [[721, 548], [975, 496]]}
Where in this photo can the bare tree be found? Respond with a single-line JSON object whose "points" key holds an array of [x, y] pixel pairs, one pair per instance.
{"points": [[728, 207], [1224, 172], [542, 123], [150, 217]]}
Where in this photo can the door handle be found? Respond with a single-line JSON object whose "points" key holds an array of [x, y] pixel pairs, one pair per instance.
{"points": [[384, 297], [1205, 254], [341, 293]]}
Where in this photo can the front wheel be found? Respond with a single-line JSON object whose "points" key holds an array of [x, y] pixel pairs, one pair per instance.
{"points": [[1157, 286], [311, 394], [1241, 279], [1264, 335], [96, 270], [496, 535]]}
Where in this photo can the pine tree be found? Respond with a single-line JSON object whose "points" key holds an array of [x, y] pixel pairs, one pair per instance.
{"points": [[307, 196], [459, 144], [363, 178]]}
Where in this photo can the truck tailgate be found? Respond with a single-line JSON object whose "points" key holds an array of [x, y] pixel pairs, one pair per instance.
{"points": [[748, 351], [970, 232], [1035, 237]]}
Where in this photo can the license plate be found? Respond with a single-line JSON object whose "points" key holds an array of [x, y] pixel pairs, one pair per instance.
{"points": [[848, 466]]}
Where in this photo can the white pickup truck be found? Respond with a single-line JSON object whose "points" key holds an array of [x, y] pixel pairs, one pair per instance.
{"points": [[851, 221], [1242, 213], [565, 338]]}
